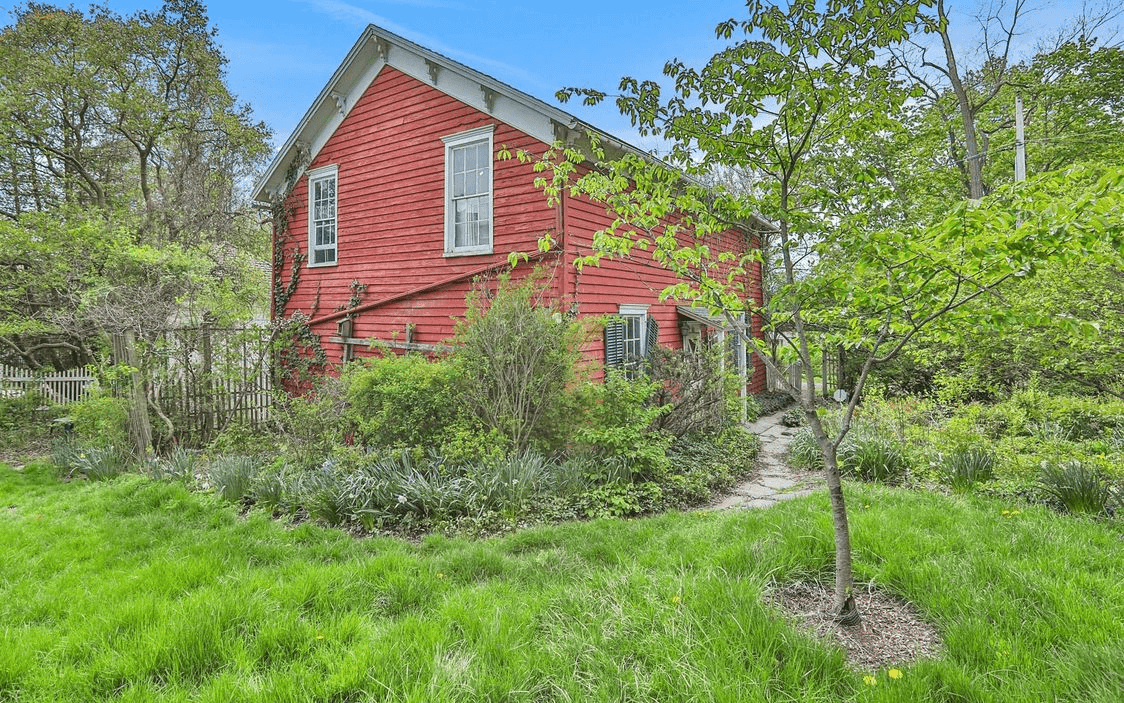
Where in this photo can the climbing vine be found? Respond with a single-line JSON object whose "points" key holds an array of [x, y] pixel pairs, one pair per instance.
{"points": [[299, 355]]}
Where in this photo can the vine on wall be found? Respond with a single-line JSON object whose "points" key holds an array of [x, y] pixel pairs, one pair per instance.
{"points": [[299, 354]]}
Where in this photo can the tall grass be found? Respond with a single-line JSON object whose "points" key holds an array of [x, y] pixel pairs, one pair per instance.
{"points": [[138, 590]]}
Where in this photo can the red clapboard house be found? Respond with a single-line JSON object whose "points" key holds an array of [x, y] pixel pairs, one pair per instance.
{"points": [[396, 203]]}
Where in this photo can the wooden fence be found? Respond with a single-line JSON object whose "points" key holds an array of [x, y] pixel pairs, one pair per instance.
{"points": [[53, 386], [203, 379], [827, 379]]}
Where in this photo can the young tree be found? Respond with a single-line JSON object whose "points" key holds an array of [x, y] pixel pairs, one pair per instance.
{"points": [[802, 100]]}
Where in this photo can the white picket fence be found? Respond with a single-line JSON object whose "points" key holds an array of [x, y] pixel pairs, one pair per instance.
{"points": [[56, 386]]}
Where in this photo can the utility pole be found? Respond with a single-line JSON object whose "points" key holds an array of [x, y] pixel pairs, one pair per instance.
{"points": [[1020, 140]]}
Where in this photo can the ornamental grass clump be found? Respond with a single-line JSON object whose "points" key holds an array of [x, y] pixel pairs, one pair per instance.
{"points": [[232, 476], [100, 463], [1075, 486], [968, 466], [872, 458]]}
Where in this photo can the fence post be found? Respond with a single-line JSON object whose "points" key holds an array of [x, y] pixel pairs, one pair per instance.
{"points": [[208, 381], [823, 378]]}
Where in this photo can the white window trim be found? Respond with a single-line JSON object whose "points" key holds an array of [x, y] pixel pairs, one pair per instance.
{"points": [[315, 175], [641, 311], [452, 141]]}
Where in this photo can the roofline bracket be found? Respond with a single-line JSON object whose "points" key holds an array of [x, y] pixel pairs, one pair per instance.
{"points": [[489, 98], [341, 101], [434, 70]]}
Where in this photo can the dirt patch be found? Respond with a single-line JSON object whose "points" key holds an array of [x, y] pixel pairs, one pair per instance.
{"points": [[892, 633]]}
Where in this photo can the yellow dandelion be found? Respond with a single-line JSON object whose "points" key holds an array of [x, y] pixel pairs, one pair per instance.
{"points": [[1005, 512], [869, 680], [894, 673], [676, 598], [319, 637], [440, 575]]}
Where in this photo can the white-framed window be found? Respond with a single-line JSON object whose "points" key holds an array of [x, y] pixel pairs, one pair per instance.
{"points": [[468, 192], [322, 216], [634, 334], [629, 337]]}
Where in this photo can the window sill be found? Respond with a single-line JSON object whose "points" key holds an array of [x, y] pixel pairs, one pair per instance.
{"points": [[468, 252], [324, 264]]}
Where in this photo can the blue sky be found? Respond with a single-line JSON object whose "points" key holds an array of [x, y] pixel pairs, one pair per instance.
{"points": [[282, 52]]}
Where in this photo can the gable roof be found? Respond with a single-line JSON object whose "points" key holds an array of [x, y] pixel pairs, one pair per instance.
{"points": [[376, 48]]}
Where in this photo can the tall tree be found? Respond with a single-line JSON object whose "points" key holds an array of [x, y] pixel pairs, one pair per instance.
{"points": [[123, 163]]}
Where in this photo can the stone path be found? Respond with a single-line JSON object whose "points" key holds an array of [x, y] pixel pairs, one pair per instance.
{"points": [[773, 480]]}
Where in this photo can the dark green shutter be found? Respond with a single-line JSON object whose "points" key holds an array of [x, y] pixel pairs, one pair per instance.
{"points": [[653, 336], [614, 344]]}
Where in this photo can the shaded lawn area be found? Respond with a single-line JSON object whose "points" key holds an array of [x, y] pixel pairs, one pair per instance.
{"points": [[138, 590]]}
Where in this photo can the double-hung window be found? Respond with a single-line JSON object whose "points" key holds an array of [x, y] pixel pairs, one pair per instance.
{"points": [[629, 338], [322, 216], [468, 192]]}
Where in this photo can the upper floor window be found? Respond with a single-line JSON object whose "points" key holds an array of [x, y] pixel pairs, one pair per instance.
{"points": [[322, 216], [468, 192]]}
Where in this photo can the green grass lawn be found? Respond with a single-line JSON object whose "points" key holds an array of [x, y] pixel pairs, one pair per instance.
{"points": [[136, 590]]}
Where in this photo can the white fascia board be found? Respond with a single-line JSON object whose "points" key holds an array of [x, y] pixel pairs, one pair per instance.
{"points": [[358, 69]]}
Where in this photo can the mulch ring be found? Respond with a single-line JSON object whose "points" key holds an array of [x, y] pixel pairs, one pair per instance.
{"points": [[892, 633]]}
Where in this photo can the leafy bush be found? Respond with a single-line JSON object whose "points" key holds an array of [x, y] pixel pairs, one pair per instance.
{"points": [[1077, 487], [402, 401], [99, 421], [622, 425], [314, 423], [968, 466], [516, 356], [770, 402], [794, 418], [232, 476], [20, 418]]}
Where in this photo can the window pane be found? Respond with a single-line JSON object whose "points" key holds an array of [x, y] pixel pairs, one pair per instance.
{"points": [[469, 158]]}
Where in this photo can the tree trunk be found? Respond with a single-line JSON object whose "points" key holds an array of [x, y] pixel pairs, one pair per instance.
{"points": [[140, 431], [843, 604], [974, 158]]}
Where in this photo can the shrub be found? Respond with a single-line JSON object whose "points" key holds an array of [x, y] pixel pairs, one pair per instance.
{"points": [[622, 423], [312, 424], [701, 397], [99, 421], [1077, 487], [231, 476], [21, 419], [794, 418], [516, 356], [968, 466], [402, 401]]}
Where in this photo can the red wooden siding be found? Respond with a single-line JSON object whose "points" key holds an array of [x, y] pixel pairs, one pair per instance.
{"points": [[391, 211], [391, 226]]}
